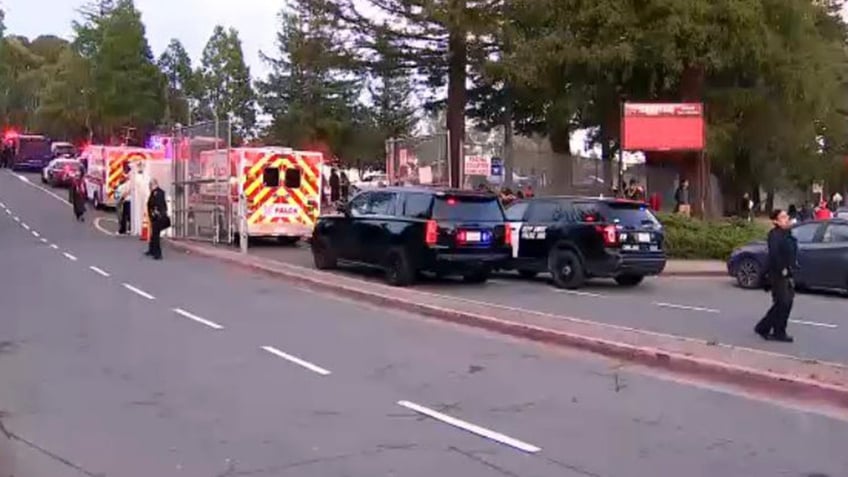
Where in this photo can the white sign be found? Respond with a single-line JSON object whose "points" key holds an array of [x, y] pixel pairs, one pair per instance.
{"points": [[478, 166]]}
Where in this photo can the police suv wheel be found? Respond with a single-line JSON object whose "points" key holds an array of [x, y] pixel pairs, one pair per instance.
{"points": [[323, 256], [398, 268], [566, 269]]}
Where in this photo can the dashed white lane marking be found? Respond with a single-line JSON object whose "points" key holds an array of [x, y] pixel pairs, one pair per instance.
{"points": [[35, 234], [580, 293], [44, 240], [26, 181], [687, 307], [8, 211], [813, 323], [17, 219], [98, 271], [294, 359], [2, 205], [25, 225], [139, 292], [69, 256], [54, 246], [202, 321], [472, 428]]}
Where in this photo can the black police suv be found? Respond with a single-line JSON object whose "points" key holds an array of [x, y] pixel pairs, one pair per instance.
{"points": [[577, 238], [407, 230]]}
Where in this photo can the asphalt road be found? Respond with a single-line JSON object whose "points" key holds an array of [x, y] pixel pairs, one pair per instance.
{"points": [[115, 365], [709, 308]]}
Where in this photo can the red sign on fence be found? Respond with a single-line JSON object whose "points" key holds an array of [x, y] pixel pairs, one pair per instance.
{"points": [[663, 127]]}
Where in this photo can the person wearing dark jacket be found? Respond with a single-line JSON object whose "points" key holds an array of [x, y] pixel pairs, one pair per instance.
{"points": [[782, 262], [77, 196], [157, 213], [335, 186]]}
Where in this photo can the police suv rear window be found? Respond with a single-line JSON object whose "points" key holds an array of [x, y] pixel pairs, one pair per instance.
{"points": [[629, 214], [468, 208]]}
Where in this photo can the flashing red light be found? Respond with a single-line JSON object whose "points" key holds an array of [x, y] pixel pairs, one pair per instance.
{"points": [[431, 233], [589, 218], [10, 134], [508, 235]]}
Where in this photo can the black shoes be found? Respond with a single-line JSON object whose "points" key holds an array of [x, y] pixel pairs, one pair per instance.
{"points": [[783, 338]]}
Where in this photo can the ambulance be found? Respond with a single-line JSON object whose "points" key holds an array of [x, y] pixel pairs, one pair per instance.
{"points": [[107, 167], [282, 188]]}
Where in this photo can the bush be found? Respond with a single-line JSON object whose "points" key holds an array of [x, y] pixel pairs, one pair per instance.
{"points": [[688, 238]]}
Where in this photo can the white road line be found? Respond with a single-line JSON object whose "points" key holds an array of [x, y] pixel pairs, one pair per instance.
{"points": [[296, 360], [22, 178], [98, 271], [43, 240], [54, 246], [35, 234], [813, 323], [17, 219], [687, 307], [69, 256], [42, 189], [2, 205], [24, 225], [100, 228], [139, 292], [472, 428], [202, 321], [8, 211], [580, 293]]}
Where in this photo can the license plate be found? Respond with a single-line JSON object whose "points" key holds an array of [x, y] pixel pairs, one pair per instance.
{"points": [[643, 237], [473, 236]]}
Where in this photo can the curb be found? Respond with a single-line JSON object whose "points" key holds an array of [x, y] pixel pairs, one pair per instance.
{"points": [[704, 274], [787, 385]]}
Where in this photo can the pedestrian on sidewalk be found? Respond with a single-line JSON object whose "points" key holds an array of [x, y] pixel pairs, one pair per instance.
{"points": [[681, 199], [157, 211], [782, 263]]}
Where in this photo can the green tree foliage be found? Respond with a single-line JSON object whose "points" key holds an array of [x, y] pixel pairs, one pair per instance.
{"points": [[309, 92], [436, 38], [65, 111], [391, 90], [182, 83], [226, 83], [128, 87]]}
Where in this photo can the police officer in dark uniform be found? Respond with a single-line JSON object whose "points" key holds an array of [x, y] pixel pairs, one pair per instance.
{"points": [[157, 212], [782, 262], [5, 155]]}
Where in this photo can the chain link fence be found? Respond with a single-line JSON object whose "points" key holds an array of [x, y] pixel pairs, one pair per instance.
{"points": [[418, 160], [204, 205]]}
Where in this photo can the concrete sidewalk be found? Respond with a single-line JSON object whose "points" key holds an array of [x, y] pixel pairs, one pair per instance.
{"points": [[695, 268], [752, 369]]}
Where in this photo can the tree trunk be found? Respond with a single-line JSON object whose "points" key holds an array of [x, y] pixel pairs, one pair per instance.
{"points": [[508, 160], [457, 74]]}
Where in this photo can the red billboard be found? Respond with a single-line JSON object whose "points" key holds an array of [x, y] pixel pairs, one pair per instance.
{"points": [[663, 127]]}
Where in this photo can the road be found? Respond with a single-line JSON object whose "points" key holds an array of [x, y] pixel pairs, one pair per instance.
{"points": [[115, 365]]}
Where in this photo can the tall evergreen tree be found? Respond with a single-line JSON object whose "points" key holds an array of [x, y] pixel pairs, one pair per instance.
{"points": [[226, 83], [309, 92], [175, 64], [392, 90], [127, 84]]}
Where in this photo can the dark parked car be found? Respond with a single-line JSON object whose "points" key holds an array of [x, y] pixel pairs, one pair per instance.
{"points": [[407, 230], [60, 172], [576, 238], [822, 257]]}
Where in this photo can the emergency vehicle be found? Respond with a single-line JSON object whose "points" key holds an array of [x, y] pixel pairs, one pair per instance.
{"points": [[107, 167], [282, 188], [29, 151]]}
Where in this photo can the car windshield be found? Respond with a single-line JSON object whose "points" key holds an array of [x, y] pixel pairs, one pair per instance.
{"points": [[468, 208], [34, 147], [629, 214]]}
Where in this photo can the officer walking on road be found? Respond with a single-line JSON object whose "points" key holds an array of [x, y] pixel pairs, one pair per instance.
{"points": [[157, 211], [782, 262]]}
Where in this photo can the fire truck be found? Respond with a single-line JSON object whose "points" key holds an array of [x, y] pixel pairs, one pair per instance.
{"points": [[107, 167], [282, 188], [30, 152]]}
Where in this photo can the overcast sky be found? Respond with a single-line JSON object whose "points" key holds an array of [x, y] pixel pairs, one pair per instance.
{"points": [[191, 21]]}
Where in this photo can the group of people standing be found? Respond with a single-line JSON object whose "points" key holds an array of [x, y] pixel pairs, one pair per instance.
{"points": [[157, 210]]}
